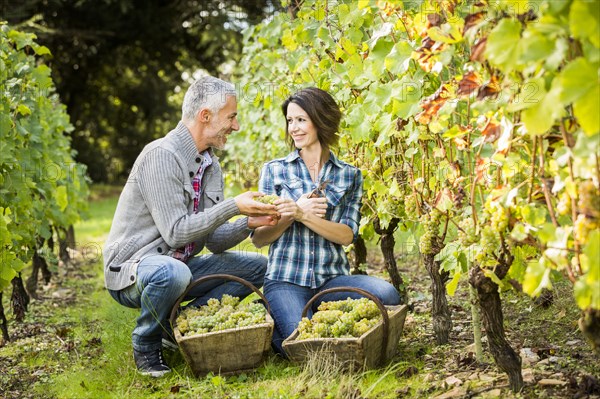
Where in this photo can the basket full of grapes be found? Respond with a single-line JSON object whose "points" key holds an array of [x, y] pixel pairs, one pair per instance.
{"points": [[226, 336], [355, 333]]}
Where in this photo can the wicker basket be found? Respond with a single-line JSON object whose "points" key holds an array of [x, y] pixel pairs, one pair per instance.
{"points": [[372, 349], [229, 351]]}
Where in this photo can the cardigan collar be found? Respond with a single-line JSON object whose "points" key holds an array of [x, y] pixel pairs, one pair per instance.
{"points": [[188, 149]]}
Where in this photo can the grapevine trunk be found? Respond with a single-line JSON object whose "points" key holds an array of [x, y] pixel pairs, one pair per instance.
{"points": [[66, 239], [491, 309], [3, 322], [589, 323], [37, 264], [440, 313], [19, 298], [388, 243], [360, 256]]}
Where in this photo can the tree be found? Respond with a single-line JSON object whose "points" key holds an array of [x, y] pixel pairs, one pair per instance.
{"points": [[118, 64]]}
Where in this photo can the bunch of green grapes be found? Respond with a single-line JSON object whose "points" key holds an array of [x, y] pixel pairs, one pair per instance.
{"points": [[583, 226], [489, 244], [220, 315], [563, 207], [589, 199], [467, 233], [340, 319], [267, 199], [499, 219], [431, 225], [410, 205]]}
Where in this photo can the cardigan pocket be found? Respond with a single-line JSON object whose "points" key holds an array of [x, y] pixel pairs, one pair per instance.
{"points": [[214, 198]]}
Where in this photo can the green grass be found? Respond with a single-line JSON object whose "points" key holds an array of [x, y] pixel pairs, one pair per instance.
{"points": [[100, 364], [76, 343]]}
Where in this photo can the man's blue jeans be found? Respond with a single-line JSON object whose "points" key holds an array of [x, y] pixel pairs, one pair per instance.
{"points": [[287, 300], [161, 280]]}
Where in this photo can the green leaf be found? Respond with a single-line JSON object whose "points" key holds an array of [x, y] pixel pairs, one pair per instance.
{"points": [[586, 111], [23, 110], [397, 60], [535, 47], [534, 215], [539, 118], [502, 49], [578, 77], [21, 39], [41, 75], [61, 197], [584, 22], [41, 50], [537, 277]]}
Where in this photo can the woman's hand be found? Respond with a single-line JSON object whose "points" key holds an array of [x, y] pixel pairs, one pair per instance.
{"points": [[316, 206], [300, 209]]}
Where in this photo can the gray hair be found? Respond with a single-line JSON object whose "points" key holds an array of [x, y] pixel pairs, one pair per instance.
{"points": [[206, 92]]}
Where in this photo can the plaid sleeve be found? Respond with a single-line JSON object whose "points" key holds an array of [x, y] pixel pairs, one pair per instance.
{"points": [[351, 212]]}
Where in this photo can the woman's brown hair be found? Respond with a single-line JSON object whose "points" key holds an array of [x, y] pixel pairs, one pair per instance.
{"points": [[323, 112]]}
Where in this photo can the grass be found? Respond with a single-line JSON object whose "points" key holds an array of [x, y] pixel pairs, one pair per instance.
{"points": [[76, 343]]}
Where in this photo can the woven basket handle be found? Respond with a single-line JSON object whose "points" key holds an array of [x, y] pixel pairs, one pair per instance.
{"points": [[214, 277], [382, 309]]}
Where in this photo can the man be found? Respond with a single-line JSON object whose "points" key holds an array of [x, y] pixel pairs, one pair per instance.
{"points": [[171, 207]]}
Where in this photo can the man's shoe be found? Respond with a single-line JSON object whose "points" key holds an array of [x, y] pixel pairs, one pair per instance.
{"points": [[151, 363], [168, 342]]}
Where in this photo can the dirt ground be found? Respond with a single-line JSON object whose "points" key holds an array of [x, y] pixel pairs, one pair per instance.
{"points": [[556, 361]]}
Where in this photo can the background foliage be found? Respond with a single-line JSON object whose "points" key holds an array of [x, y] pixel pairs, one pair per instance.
{"points": [[118, 65], [43, 188], [475, 124]]}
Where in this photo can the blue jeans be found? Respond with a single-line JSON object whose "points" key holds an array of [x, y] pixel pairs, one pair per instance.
{"points": [[287, 300], [161, 280]]}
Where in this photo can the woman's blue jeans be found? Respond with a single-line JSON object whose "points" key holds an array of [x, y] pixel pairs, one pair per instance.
{"points": [[287, 300], [161, 280]]}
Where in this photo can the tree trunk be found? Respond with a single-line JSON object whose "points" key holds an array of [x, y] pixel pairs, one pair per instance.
{"points": [[387, 249], [440, 313], [32, 281], [589, 323], [360, 256], [3, 322], [66, 239], [46, 273], [491, 309], [19, 298]]}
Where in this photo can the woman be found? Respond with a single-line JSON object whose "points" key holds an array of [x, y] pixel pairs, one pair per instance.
{"points": [[320, 200]]}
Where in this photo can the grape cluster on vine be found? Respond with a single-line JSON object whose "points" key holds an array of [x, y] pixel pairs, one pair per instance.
{"points": [[467, 234], [340, 319], [431, 225], [220, 315]]}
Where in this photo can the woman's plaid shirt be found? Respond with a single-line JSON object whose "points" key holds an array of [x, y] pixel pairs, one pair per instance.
{"points": [[301, 256]]}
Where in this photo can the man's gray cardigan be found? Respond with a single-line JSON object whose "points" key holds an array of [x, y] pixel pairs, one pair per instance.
{"points": [[154, 215]]}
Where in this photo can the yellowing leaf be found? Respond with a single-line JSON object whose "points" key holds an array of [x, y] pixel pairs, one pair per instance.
{"points": [[23, 110], [451, 286]]}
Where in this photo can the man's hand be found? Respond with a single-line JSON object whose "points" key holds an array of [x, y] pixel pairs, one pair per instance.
{"points": [[259, 221], [249, 207]]}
